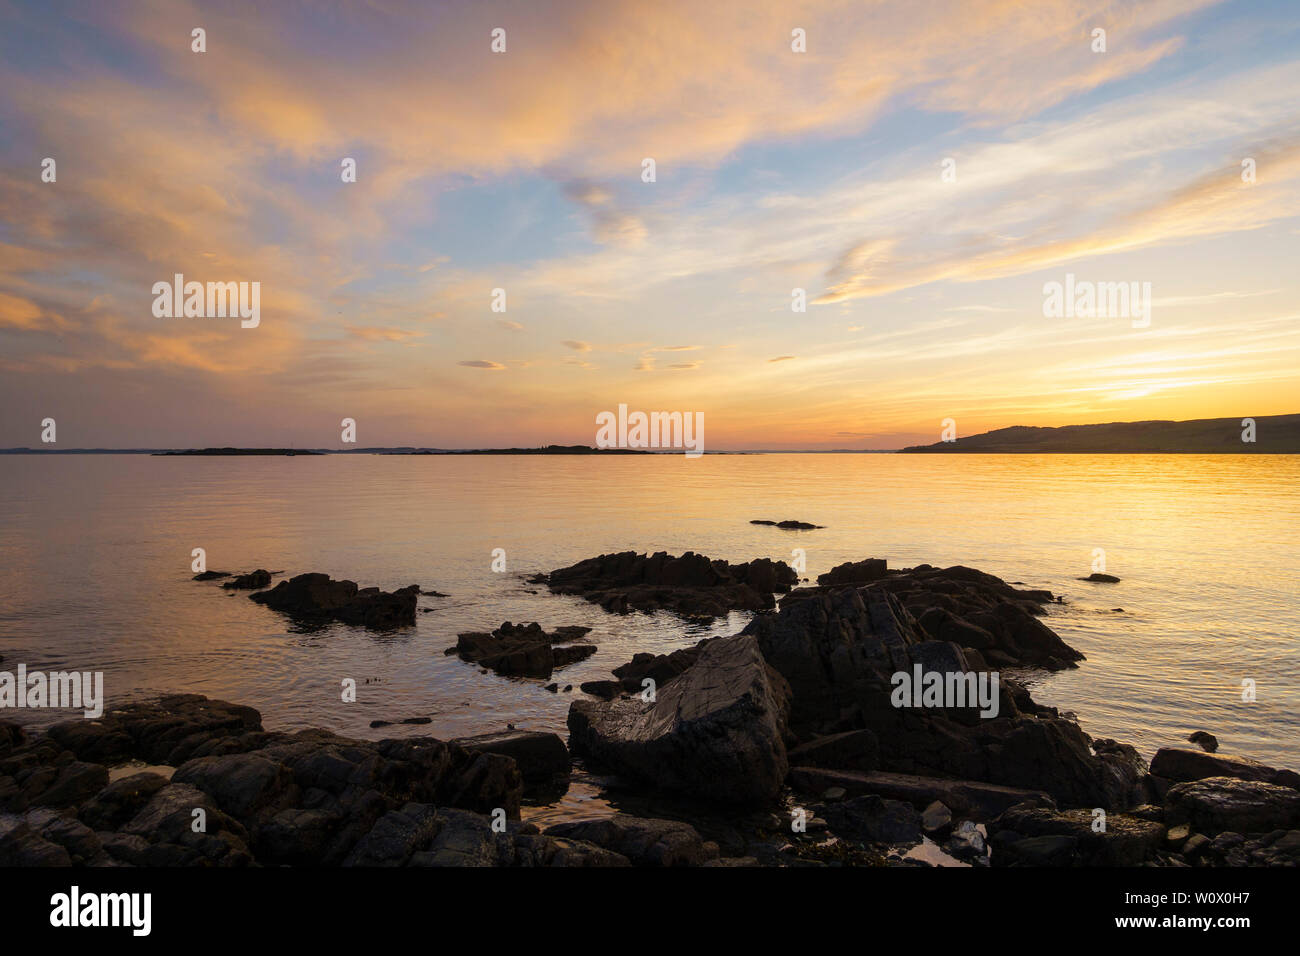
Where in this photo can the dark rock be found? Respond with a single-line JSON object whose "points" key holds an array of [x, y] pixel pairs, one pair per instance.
{"points": [[1216, 804], [210, 575], [1101, 578], [790, 525], [247, 785], [1040, 851], [982, 801], [76, 782], [396, 836], [1208, 741], [715, 731], [936, 820], [524, 650], [850, 750], [542, 758], [690, 585], [253, 581], [604, 689], [1125, 841], [1182, 764], [644, 841], [854, 572], [120, 800], [317, 597], [873, 819], [20, 845]]}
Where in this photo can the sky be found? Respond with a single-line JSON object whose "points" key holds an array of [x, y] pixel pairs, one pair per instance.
{"points": [[921, 170]]}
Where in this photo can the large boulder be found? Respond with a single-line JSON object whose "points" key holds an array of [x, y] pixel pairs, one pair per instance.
{"points": [[716, 731], [840, 647]]}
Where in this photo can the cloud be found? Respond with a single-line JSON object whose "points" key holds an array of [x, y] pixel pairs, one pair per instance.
{"points": [[576, 345], [609, 224], [378, 334], [781, 358], [482, 363]]}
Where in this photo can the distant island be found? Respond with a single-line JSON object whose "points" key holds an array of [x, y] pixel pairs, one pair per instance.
{"points": [[240, 451], [1274, 434]]}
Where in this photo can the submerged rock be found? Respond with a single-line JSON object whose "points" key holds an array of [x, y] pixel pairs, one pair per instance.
{"points": [[523, 650], [716, 731], [790, 525], [1208, 741], [690, 585], [317, 597]]}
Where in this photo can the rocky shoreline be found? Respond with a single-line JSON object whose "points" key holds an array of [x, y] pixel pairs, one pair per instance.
{"points": [[786, 744]]}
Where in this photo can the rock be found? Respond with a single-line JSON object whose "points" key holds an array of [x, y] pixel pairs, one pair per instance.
{"points": [[1208, 741], [1040, 851], [852, 749], [253, 581], [210, 575], [120, 800], [873, 819], [716, 731], [20, 845], [167, 824], [165, 731], [524, 650], [644, 841], [396, 836], [1101, 578], [834, 794], [604, 689], [936, 819], [316, 597], [854, 572], [790, 525], [247, 786], [839, 648], [1126, 840], [967, 843], [1183, 764], [1216, 804], [1177, 836], [542, 758], [1196, 844], [690, 585], [983, 801], [76, 782]]}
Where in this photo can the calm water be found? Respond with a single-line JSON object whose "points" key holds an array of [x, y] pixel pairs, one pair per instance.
{"points": [[95, 572]]}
